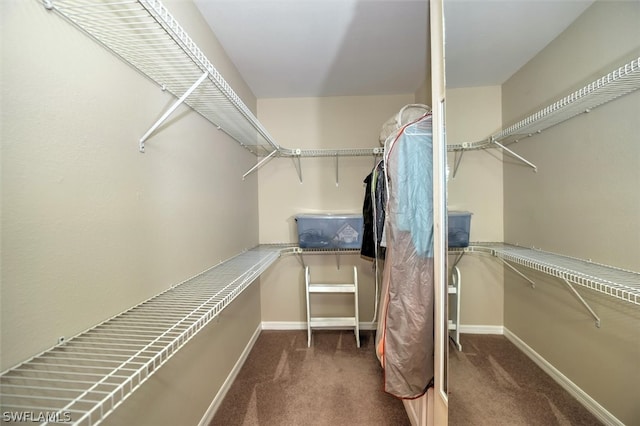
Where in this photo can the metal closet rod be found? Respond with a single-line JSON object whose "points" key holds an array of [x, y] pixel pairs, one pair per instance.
{"points": [[297, 154]]}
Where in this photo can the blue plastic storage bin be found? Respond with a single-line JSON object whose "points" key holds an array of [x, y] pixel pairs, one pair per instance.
{"points": [[330, 231], [459, 228]]}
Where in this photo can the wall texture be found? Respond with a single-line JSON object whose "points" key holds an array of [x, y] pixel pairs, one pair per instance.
{"points": [[583, 202], [90, 226]]}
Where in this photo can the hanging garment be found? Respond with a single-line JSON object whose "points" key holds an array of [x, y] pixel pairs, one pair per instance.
{"points": [[407, 114], [373, 212], [414, 187], [405, 340]]}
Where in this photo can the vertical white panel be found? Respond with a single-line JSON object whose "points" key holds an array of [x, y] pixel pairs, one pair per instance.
{"points": [[439, 414]]}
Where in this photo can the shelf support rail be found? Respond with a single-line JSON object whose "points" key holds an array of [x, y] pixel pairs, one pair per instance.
{"points": [[260, 163], [519, 157], [296, 163], [298, 251], [581, 299], [171, 109], [458, 259], [456, 164], [533, 284]]}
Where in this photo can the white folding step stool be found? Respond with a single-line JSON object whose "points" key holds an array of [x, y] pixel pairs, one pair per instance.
{"points": [[454, 291], [332, 322]]}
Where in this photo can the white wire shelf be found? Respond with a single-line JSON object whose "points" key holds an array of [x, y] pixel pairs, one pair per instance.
{"points": [[290, 248], [618, 283], [613, 85], [147, 36], [301, 252], [327, 250], [85, 378], [341, 152], [469, 146]]}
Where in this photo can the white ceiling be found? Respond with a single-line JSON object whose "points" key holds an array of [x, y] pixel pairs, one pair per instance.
{"points": [[294, 48], [487, 41]]}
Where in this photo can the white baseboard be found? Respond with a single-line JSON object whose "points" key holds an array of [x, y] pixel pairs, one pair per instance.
{"points": [[481, 329], [589, 403], [222, 392], [302, 325], [284, 325]]}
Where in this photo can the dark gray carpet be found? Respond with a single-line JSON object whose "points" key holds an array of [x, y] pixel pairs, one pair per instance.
{"points": [[331, 383], [493, 383]]}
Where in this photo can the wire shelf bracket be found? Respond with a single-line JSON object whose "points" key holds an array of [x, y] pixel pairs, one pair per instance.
{"points": [[514, 269], [518, 156], [581, 299], [298, 166], [456, 163], [171, 109], [259, 164]]}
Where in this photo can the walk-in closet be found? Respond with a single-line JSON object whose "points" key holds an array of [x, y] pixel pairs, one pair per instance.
{"points": [[160, 160]]}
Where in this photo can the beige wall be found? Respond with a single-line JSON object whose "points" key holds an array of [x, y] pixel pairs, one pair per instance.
{"points": [[583, 202], [472, 114], [90, 226], [333, 122], [424, 92]]}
